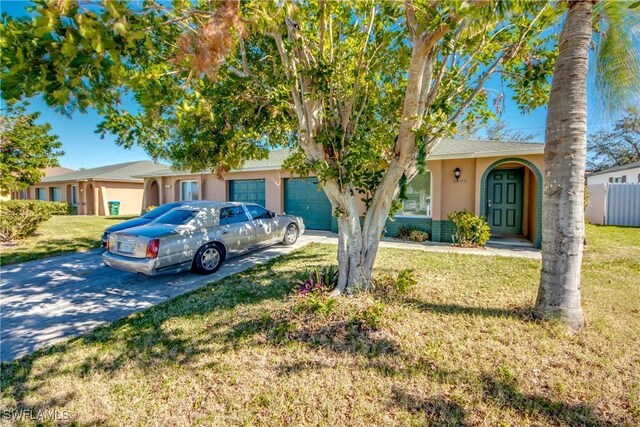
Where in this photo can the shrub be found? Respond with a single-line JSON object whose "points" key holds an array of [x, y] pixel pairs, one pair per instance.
{"points": [[21, 218], [388, 288], [316, 280], [471, 230], [319, 303], [370, 318], [60, 208], [412, 233]]}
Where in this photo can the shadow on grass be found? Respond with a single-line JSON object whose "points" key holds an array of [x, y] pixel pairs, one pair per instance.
{"points": [[456, 309], [140, 340], [505, 393], [438, 411]]}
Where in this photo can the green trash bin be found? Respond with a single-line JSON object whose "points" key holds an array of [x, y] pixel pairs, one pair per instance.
{"points": [[114, 207]]}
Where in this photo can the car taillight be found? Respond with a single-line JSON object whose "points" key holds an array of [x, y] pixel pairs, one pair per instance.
{"points": [[152, 248]]}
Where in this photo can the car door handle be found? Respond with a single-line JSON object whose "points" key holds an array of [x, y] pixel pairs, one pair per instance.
{"points": [[260, 225]]}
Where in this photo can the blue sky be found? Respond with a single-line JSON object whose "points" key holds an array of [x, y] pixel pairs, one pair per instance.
{"points": [[84, 148]]}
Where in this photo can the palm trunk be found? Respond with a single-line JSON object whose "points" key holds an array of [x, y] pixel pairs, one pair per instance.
{"points": [[564, 157]]}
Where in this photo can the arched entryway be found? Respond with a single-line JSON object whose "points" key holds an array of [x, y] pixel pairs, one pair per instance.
{"points": [[511, 199], [152, 194], [91, 200]]}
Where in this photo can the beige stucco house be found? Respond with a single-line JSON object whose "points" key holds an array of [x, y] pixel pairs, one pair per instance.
{"points": [[92, 189], [499, 180]]}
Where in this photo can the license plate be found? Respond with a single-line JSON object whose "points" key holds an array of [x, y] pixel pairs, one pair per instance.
{"points": [[126, 247]]}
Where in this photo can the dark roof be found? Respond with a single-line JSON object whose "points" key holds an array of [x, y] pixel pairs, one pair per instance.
{"points": [[618, 168], [446, 149], [118, 172], [463, 148]]}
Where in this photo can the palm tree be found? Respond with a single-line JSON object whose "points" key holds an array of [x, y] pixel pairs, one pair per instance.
{"points": [[618, 72]]}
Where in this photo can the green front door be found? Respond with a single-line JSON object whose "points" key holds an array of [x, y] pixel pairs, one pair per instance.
{"points": [[303, 198], [247, 191], [504, 201]]}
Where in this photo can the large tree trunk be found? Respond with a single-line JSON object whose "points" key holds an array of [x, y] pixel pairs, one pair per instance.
{"points": [[564, 157]]}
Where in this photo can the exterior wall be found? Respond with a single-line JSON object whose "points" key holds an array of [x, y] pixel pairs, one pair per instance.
{"points": [[212, 188], [632, 175], [447, 194], [456, 195], [531, 196], [129, 194]]}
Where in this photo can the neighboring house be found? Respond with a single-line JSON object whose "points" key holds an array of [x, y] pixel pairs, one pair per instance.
{"points": [[499, 180], [624, 173], [24, 194], [92, 189], [614, 196]]}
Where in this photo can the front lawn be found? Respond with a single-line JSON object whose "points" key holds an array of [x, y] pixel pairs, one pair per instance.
{"points": [[60, 234], [459, 349]]}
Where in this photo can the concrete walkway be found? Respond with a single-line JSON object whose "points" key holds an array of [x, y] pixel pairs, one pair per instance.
{"points": [[47, 301], [490, 250]]}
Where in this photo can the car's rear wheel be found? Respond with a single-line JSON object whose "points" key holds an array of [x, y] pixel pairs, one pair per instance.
{"points": [[208, 259], [290, 235]]}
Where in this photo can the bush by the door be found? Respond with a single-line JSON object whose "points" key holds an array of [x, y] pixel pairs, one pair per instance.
{"points": [[471, 230]]}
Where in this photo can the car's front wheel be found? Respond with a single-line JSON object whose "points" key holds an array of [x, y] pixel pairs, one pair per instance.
{"points": [[290, 235], [208, 259]]}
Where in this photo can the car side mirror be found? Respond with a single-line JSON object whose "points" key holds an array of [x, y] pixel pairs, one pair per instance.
{"points": [[273, 214]]}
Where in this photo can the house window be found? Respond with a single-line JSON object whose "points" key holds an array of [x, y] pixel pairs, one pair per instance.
{"points": [[418, 202], [189, 190], [41, 194], [55, 194], [74, 195], [610, 179], [624, 178]]}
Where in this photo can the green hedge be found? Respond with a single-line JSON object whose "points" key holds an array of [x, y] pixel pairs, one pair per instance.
{"points": [[471, 230], [21, 218], [60, 208]]}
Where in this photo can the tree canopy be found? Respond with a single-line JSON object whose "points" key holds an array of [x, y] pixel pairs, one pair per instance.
{"points": [[618, 146], [26, 149], [361, 90]]}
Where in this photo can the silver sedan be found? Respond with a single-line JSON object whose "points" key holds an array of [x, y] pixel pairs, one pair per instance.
{"points": [[199, 236]]}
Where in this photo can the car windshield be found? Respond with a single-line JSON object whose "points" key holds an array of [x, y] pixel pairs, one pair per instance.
{"points": [[160, 210], [177, 217]]}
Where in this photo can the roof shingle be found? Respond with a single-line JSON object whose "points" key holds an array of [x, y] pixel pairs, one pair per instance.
{"points": [[446, 149], [129, 171]]}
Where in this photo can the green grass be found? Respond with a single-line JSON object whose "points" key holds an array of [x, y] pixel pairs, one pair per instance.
{"points": [[459, 349], [58, 235]]}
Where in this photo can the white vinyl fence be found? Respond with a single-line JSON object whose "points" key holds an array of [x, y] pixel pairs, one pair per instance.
{"points": [[614, 204]]}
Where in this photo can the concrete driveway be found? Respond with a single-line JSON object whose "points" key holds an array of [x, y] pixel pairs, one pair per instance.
{"points": [[46, 301]]}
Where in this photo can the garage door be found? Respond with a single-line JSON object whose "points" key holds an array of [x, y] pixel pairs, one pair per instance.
{"points": [[303, 198], [247, 191]]}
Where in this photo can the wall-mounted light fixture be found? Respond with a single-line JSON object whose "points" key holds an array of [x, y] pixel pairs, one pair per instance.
{"points": [[457, 172], [167, 186]]}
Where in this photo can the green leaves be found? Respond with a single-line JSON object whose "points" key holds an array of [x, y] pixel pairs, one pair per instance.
{"points": [[26, 148], [130, 63]]}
